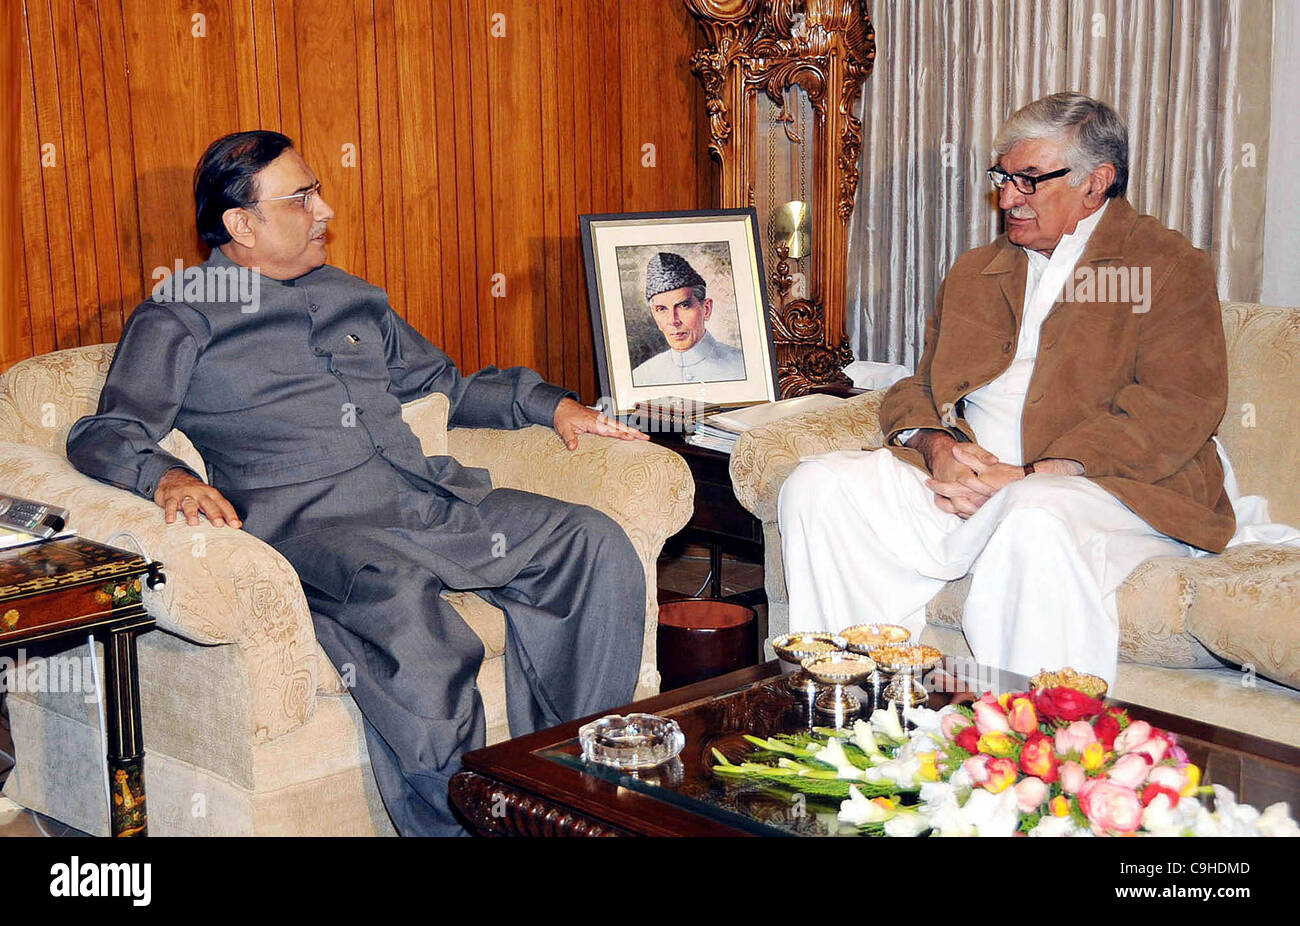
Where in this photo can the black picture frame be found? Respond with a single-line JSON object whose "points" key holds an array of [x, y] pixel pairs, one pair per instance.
{"points": [[645, 231]]}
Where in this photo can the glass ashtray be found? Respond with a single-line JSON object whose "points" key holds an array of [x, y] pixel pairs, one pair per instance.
{"points": [[632, 741]]}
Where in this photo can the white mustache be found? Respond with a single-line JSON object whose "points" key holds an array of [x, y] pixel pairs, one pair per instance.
{"points": [[317, 231], [1022, 212]]}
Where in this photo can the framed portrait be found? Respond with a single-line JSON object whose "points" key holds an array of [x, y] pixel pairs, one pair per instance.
{"points": [[678, 307]]}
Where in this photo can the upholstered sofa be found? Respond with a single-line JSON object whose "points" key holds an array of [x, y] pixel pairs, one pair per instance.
{"points": [[248, 729], [1215, 638]]}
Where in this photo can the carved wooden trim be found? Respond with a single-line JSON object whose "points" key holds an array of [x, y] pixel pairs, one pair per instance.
{"points": [[495, 809], [826, 47]]}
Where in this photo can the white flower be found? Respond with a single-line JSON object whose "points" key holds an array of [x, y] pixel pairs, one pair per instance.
{"points": [[902, 771], [1159, 819], [1058, 826], [885, 722], [864, 739], [983, 814], [924, 719], [936, 794], [833, 754], [907, 823], [858, 810], [1276, 821], [961, 779]]}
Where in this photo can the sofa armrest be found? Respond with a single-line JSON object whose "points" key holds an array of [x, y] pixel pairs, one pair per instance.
{"points": [[647, 489], [766, 456], [224, 586]]}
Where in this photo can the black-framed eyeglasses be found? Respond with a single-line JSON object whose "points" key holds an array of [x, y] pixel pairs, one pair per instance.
{"points": [[1025, 183], [305, 197]]}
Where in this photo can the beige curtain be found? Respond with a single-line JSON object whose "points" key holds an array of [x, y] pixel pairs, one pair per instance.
{"points": [[1189, 77]]}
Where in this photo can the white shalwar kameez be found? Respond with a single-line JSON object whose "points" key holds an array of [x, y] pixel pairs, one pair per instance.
{"points": [[864, 541]]}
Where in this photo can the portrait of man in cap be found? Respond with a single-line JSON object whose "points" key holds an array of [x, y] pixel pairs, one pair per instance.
{"points": [[677, 299]]}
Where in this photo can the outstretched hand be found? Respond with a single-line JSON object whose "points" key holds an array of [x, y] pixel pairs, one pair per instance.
{"points": [[573, 418]]}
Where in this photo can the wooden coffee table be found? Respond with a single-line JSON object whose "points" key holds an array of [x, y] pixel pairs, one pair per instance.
{"points": [[537, 785]]}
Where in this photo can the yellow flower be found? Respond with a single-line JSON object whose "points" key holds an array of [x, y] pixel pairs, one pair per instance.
{"points": [[996, 743], [1094, 757], [929, 766], [1193, 774], [1059, 806], [884, 802]]}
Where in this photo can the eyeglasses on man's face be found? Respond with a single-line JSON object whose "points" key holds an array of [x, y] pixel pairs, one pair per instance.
{"points": [[1025, 183], [306, 198]]}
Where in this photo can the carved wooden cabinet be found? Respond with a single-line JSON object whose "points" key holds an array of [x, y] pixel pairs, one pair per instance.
{"points": [[783, 80]]}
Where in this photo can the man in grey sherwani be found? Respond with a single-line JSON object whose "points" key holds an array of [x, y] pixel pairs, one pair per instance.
{"points": [[289, 375]]}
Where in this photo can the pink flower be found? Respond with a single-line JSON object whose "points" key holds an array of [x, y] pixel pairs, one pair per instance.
{"points": [[989, 718], [1075, 738], [1129, 771], [1072, 777], [1030, 794], [977, 767], [1154, 748], [1166, 776], [952, 724], [1137, 733], [1110, 807]]}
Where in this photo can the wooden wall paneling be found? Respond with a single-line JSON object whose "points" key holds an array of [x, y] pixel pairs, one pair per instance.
{"points": [[389, 202], [14, 341], [480, 141], [554, 308], [263, 59], [448, 255], [326, 37], [183, 96], [514, 115], [474, 154], [245, 66], [77, 46], [37, 325], [122, 222], [286, 77], [572, 278], [421, 266], [367, 101], [472, 356], [59, 328]]}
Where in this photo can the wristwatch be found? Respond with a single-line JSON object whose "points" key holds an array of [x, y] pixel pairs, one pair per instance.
{"points": [[1028, 468]]}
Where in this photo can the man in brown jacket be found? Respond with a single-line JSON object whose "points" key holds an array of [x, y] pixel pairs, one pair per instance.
{"points": [[1057, 431]]}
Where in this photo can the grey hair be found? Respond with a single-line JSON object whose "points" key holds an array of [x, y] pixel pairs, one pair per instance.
{"points": [[1091, 133], [698, 292]]}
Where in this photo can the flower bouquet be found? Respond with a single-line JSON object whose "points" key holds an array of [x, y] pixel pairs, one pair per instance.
{"points": [[1050, 762]]}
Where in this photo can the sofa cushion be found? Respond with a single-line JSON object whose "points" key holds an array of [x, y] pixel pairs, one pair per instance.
{"points": [[1246, 609], [1153, 604], [1263, 413]]}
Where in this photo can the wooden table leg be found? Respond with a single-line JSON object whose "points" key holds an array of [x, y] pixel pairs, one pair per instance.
{"points": [[126, 810]]}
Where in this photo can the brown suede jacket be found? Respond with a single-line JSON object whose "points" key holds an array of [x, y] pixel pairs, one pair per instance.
{"points": [[1132, 388]]}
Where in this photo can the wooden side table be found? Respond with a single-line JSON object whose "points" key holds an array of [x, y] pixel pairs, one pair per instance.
{"points": [[55, 593], [719, 521]]}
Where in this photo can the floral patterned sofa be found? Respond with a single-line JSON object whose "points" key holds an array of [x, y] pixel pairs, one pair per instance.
{"points": [[1215, 638], [248, 729]]}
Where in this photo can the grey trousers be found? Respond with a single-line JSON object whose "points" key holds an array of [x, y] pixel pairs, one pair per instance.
{"points": [[374, 554]]}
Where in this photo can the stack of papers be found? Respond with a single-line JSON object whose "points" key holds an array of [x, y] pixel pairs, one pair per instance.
{"points": [[11, 537], [721, 431]]}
